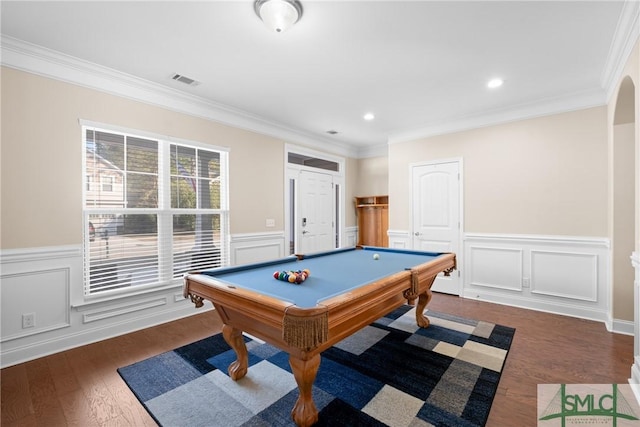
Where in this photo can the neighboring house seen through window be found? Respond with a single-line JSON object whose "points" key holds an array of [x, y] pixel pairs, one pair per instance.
{"points": [[107, 183], [160, 210]]}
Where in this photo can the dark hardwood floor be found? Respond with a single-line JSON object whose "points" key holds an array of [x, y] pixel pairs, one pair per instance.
{"points": [[80, 387]]}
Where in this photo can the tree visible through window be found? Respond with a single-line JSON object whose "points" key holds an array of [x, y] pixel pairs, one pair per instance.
{"points": [[162, 214]]}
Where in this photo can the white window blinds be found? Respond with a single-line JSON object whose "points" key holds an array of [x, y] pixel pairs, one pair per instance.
{"points": [[153, 210]]}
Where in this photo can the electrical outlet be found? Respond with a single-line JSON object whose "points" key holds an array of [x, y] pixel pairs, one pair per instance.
{"points": [[526, 282], [270, 222], [28, 320]]}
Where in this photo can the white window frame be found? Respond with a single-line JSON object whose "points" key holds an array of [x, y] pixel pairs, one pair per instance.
{"points": [[164, 211]]}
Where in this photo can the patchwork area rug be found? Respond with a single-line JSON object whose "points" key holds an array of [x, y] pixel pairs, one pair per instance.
{"points": [[391, 373]]}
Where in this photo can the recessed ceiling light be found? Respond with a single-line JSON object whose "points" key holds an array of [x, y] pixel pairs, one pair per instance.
{"points": [[369, 116], [494, 83]]}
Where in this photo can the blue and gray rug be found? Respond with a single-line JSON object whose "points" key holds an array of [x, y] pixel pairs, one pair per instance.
{"points": [[391, 373]]}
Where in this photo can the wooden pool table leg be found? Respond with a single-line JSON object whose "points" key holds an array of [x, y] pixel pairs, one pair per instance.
{"points": [[233, 337], [423, 300], [304, 412]]}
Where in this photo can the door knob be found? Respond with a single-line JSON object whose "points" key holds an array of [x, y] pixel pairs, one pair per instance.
{"points": [[417, 233]]}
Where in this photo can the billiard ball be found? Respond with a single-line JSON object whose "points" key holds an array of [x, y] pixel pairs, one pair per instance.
{"points": [[376, 256]]}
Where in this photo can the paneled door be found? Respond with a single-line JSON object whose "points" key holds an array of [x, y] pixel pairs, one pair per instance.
{"points": [[436, 214], [315, 212]]}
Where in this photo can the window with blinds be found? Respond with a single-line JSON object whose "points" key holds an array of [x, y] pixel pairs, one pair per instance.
{"points": [[153, 210]]}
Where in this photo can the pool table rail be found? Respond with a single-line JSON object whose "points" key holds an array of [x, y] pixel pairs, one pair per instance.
{"points": [[256, 314]]}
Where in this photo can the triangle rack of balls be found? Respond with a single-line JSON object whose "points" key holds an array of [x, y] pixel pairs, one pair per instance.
{"points": [[296, 277]]}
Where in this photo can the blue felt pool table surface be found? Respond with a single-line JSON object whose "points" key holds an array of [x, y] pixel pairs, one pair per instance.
{"points": [[331, 273]]}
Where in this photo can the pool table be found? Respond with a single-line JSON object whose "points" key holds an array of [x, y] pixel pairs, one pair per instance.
{"points": [[345, 291]]}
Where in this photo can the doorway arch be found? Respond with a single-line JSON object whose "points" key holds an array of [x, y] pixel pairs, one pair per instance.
{"points": [[623, 173]]}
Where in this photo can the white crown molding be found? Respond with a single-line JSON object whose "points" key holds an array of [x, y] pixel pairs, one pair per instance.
{"points": [[52, 64], [625, 38], [381, 150], [545, 107]]}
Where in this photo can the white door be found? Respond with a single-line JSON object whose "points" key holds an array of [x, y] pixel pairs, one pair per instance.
{"points": [[315, 212], [436, 214]]}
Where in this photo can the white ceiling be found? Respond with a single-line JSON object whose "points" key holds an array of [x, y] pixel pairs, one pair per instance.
{"points": [[420, 66]]}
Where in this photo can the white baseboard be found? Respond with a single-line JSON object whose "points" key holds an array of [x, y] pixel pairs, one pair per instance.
{"points": [[546, 307], [624, 327]]}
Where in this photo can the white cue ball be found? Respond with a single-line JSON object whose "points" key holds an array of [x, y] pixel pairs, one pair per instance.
{"points": [[376, 256]]}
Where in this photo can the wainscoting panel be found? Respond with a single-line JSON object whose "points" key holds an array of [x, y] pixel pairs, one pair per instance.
{"points": [[43, 294], [48, 282], [350, 236], [576, 272], [250, 248], [564, 275], [257, 247], [483, 270], [117, 310], [556, 274], [399, 239]]}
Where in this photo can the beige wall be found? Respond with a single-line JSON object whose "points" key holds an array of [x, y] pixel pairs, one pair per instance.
{"points": [[41, 173], [623, 219], [545, 176], [373, 177]]}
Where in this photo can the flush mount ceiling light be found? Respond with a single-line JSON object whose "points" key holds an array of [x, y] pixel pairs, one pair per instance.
{"points": [[494, 83], [369, 116], [278, 15]]}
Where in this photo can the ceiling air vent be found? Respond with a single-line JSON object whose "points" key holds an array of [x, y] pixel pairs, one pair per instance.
{"points": [[184, 79]]}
